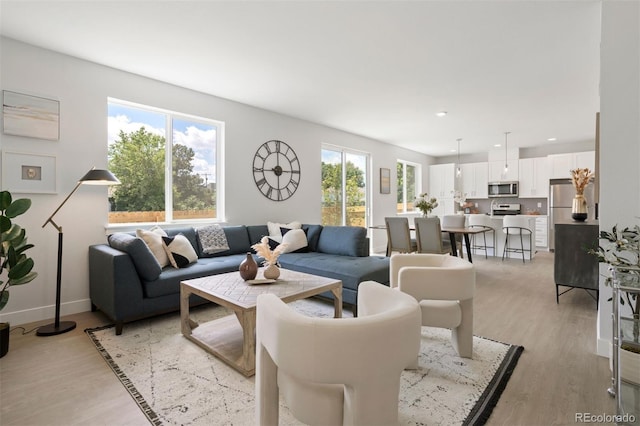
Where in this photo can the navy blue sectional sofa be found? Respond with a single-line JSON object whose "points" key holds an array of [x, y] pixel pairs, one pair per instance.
{"points": [[127, 284]]}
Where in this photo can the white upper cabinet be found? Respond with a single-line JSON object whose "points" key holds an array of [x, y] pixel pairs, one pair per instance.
{"points": [[442, 180], [496, 171], [474, 180], [561, 164], [534, 177]]}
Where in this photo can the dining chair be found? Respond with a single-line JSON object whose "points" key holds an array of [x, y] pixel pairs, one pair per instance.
{"points": [[482, 221], [429, 236], [399, 236], [514, 227], [453, 221]]}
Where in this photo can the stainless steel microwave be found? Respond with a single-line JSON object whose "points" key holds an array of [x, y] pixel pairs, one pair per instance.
{"points": [[503, 189]]}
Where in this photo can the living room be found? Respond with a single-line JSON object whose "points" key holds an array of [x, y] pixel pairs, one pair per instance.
{"points": [[83, 89]]}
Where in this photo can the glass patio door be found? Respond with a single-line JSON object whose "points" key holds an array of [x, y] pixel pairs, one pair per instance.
{"points": [[345, 177]]}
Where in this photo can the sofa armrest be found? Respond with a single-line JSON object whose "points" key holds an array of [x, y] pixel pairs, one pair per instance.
{"points": [[114, 284]]}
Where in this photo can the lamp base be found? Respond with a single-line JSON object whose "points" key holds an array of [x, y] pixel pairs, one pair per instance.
{"points": [[52, 330]]}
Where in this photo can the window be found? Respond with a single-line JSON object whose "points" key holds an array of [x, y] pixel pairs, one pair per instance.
{"points": [[145, 143], [408, 185], [344, 187]]}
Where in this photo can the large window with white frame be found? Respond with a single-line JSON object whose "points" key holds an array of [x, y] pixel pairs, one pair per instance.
{"points": [[169, 165], [409, 185], [345, 177]]}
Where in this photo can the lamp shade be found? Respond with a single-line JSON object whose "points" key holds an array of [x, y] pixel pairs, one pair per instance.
{"points": [[99, 177]]}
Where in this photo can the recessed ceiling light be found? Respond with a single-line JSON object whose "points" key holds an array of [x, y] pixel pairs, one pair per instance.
{"points": [[453, 150], [441, 113], [497, 145], [552, 139]]}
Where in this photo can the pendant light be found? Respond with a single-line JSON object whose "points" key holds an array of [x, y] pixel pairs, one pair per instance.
{"points": [[506, 165], [458, 170]]}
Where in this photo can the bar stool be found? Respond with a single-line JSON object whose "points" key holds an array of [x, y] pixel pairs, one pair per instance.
{"points": [[454, 221], [514, 226], [483, 222]]}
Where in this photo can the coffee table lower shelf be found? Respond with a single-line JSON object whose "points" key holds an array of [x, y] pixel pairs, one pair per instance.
{"points": [[232, 339]]}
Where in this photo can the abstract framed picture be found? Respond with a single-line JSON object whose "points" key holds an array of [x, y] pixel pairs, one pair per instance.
{"points": [[30, 116], [385, 181], [29, 173]]}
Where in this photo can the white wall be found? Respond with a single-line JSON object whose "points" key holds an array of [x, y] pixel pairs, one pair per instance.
{"points": [[619, 132], [82, 89]]}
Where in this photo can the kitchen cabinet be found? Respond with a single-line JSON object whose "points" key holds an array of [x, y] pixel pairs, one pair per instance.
{"points": [[442, 180], [561, 164], [533, 177], [496, 171], [542, 231], [475, 177]]}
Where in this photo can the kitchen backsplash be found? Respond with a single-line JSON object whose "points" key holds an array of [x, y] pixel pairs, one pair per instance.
{"points": [[527, 205]]}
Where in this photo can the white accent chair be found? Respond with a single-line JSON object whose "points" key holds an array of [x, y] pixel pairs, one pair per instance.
{"points": [[399, 236], [336, 371], [445, 287]]}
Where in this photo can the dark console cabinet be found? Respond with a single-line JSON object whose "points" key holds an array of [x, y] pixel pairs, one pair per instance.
{"points": [[574, 267]]}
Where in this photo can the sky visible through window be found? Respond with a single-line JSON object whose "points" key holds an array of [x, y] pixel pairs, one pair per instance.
{"points": [[200, 137]]}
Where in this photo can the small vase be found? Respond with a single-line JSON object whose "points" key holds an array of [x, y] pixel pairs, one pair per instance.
{"points": [[579, 208], [248, 268], [272, 272]]}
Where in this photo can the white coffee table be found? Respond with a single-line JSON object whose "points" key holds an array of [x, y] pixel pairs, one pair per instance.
{"points": [[232, 338]]}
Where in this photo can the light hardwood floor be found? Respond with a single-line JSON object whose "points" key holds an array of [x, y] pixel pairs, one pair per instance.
{"points": [[62, 380]]}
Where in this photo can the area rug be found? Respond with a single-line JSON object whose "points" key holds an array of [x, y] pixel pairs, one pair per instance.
{"points": [[175, 382]]}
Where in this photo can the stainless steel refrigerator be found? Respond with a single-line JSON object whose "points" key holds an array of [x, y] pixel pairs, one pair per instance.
{"points": [[561, 193]]}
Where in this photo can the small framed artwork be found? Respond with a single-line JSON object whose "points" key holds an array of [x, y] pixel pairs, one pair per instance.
{"points": [[31, 116], [385, 181], [29, 173]]}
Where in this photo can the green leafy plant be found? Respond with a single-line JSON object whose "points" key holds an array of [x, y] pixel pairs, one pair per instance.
{"points": [[620, 248], [16, 267]]}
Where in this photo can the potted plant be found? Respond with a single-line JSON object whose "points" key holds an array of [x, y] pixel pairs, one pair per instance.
{"points": [[426, 204], [16, 267], [620, 248]]}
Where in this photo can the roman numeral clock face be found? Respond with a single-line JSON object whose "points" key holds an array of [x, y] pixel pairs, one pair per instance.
{"points": [[276, 170]]}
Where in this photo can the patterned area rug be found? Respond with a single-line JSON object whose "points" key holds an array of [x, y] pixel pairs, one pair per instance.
{"points": [[175, 382]]}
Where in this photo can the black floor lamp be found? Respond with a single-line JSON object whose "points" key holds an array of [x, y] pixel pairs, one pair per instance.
{"points": [[93, 177]]}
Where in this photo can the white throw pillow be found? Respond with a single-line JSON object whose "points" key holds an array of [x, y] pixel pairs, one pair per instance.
{"points": [[274, 229], [295, 239], [179, 251], [153, 238]]}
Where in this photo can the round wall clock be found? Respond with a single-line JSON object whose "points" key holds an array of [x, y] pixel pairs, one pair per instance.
{"points": [[276, 170]]}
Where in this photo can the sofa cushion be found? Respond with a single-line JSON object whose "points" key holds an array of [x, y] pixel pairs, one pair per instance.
{"points": [[256, 232], [169, 281], [351, 270], [343, 240], [313, 234], [144, 261], [238, 240], [179, 251], [212, 239], [153, 238], [295, 241]]}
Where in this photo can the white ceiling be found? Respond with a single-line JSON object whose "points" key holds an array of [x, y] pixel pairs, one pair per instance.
{"points": [[381, 69]]}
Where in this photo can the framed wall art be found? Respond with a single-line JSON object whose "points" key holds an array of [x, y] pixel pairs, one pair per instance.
{"points": [[29, 173], [31, 116], [385, 181]]}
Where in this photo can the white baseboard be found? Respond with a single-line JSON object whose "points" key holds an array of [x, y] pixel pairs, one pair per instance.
{"points": [[45, 312]]}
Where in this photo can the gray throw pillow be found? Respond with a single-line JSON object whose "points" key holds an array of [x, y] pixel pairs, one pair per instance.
{"points": [[144, 261]]}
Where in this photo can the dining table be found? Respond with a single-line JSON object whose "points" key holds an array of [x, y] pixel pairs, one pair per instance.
{"points": [[464, 231]]}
